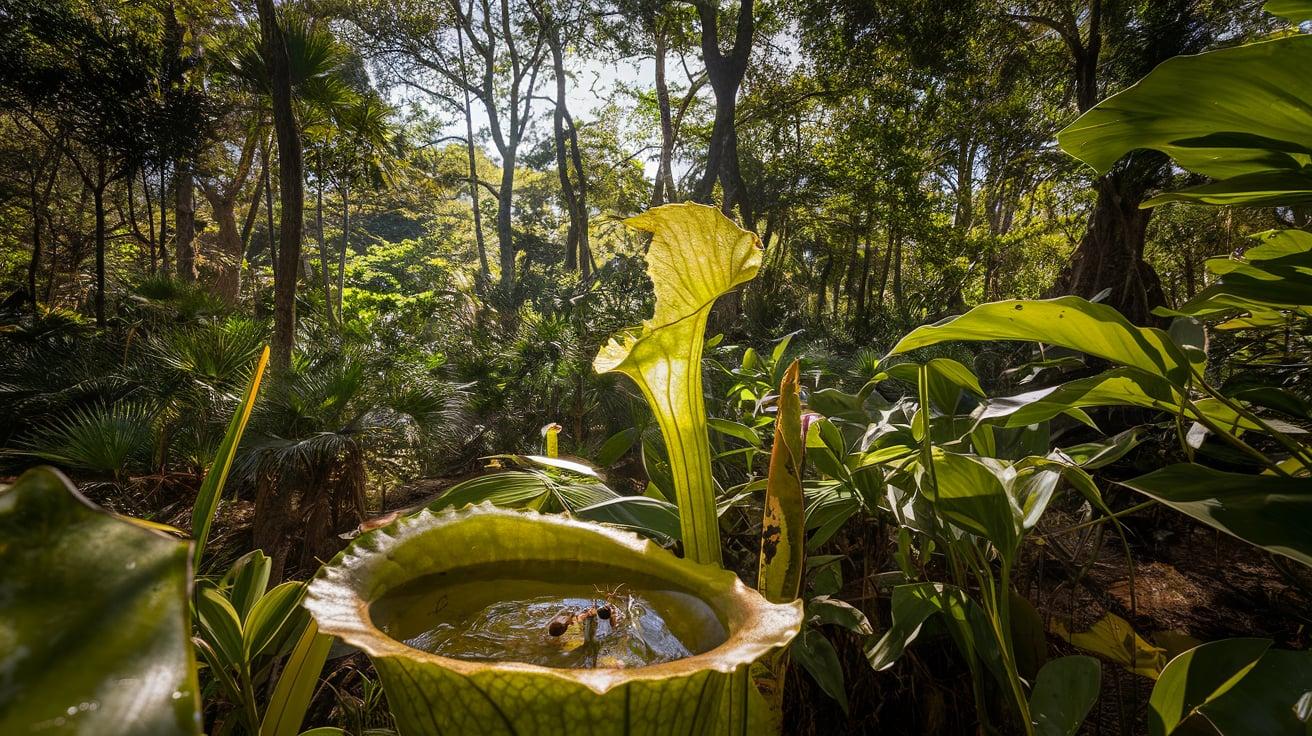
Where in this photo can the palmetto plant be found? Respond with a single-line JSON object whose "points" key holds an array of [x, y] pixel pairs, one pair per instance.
{"points": [[316, 435]]}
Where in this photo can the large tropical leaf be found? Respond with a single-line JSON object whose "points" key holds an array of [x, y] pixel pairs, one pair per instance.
{"points": [[1064, 691], [1226, 113], [1070, 322], [1198, 677], [970, 496], [696, 255], [94, 619], [1272, 512], [1294, 11], [431, 694]]}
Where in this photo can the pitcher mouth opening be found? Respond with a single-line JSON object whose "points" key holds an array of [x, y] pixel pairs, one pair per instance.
{"points": [[375, 594]]}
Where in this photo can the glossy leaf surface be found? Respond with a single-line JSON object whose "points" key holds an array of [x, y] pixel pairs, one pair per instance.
{"points": [[94, 619]]}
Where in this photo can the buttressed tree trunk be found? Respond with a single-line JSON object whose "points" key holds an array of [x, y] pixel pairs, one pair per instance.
{"points": [[291, 187], [725, 71], [1109, 257]]}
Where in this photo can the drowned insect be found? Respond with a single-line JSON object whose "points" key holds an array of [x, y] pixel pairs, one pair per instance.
{"points": [[611, 606]]}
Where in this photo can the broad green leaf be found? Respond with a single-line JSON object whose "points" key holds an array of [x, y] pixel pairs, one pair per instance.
{"points": [[817, 656], [696, 255], [1258, 189], [735, 430], [1199, 676], [1264, 702], [826, 611], [1070, 322], [783, 527], [971, 497], [297, 684], [1064, 692], [1223, 114], [430, 695], [1294, 11], [211, 489], [913, 605], [94, 618], [1114, 638], [653, 518], [947, 379], [617, 446], [1094, 455], [1268, 511], [1029, 636]]}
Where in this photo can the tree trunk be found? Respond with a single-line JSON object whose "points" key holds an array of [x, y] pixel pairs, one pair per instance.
{"points": [[35, 263], [725, 72], [820, 292], [899, 302], [291, 186], [863, 285], [888, 263], [572, 250], [98, 197], [269, 225], [227, 279], [163, 220], [324, 277], [346, 244], [664, 187], [483, 269], [505, 212], [1110, 255], [185, 222], [150, 222]]}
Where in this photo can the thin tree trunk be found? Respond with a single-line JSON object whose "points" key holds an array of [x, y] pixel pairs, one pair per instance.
{"points": [[572, 251], [35, 263], [664, 186], [291, 186], [346, 244], [185, 223], [325, 278], [98, 197], [248, 224], [163, 220], [483, 269], [586, 264], [150, 222], [899, 303], [269, 226]]}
